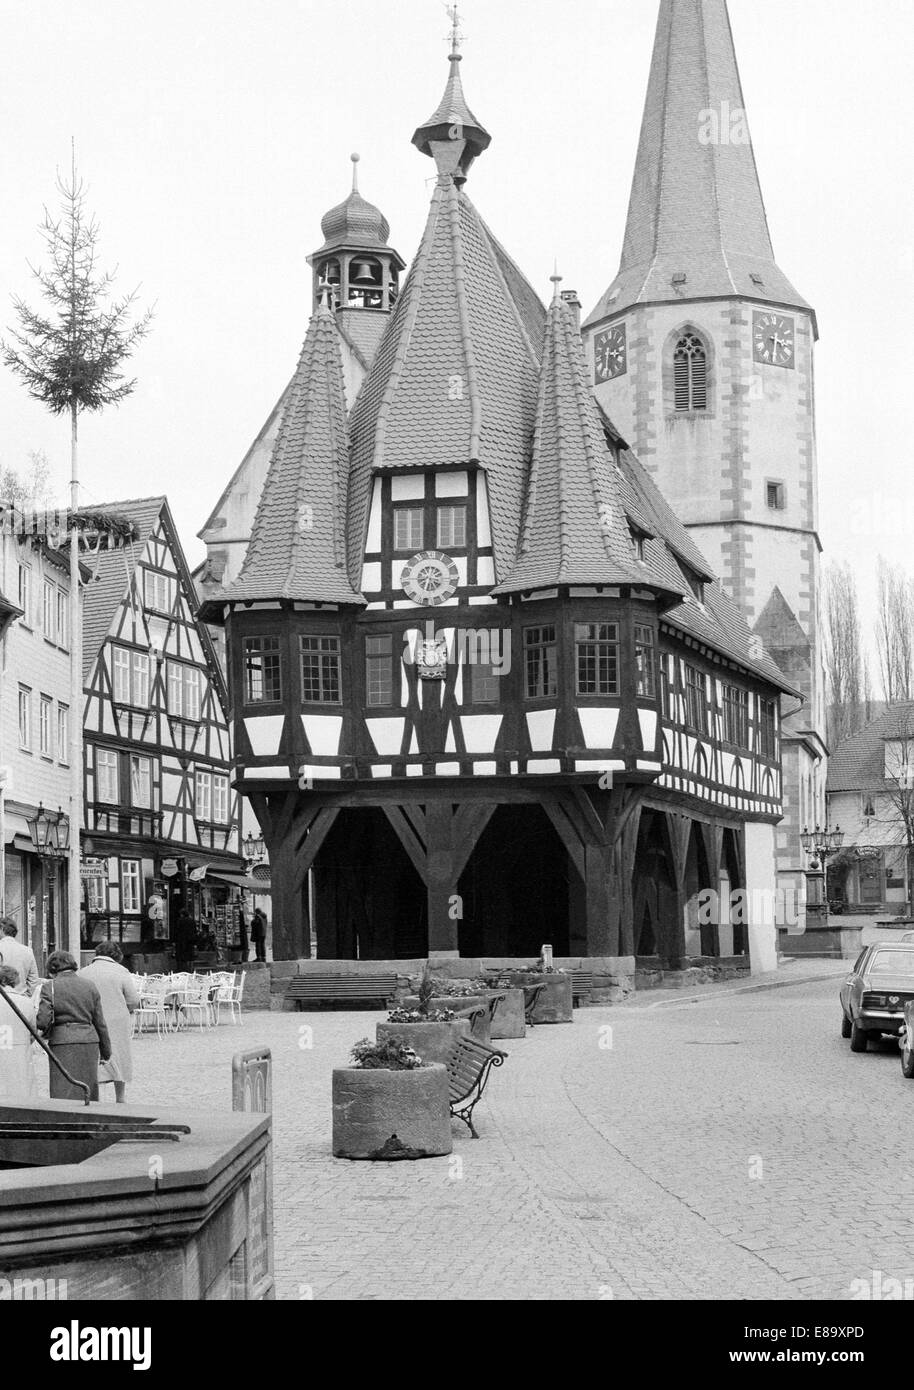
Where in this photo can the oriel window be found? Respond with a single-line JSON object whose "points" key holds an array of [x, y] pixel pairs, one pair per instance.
{"points": [[379, 670], [262, 670], [736, 716], [767, 728], [540, 662], [696, 699], [597, 658], [645, 666], [320, 670]]}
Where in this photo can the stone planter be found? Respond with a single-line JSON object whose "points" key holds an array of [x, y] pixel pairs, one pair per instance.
{"points": [[509, 1016], [433, 1042], [380, 1114], [457, 1004], [555, 1003]]}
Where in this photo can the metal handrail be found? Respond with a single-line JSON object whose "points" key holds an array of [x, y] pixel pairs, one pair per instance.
{"points": [[43, 1045]]}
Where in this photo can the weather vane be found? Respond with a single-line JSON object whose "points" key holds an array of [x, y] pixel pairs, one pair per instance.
{"points": [[456, 36]]}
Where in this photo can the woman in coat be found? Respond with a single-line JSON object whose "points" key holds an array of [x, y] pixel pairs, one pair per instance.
{"points": [[70, 1016], [120, 998], [16, 1079]]}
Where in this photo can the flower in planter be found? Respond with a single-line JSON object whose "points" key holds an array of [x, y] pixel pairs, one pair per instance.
{"points": [[417, 1016], [385, 1056]]}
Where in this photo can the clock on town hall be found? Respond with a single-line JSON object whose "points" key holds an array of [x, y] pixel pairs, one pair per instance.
{"points": [[610, 353], [774, 338], [430, 577]]}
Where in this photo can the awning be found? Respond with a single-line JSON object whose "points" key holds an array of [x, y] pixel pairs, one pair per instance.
{"points": [[16, 832], [253, 885]]}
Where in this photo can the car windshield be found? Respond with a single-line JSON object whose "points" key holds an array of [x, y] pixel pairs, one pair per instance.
{"points": [[892, 963]]}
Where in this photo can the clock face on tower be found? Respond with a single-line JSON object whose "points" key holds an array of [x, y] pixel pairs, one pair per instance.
{"points": [[609, 351], [430, 577], [773, 337]]}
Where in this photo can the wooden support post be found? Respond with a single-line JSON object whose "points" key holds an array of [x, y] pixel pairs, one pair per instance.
{"points": [[440, 881]]}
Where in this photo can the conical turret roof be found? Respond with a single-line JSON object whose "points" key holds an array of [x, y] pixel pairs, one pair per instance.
{"points": [[354, 222]]}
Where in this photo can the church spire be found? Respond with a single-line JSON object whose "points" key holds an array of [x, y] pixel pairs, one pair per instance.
{"points": [[452, 135], [697, 227]]}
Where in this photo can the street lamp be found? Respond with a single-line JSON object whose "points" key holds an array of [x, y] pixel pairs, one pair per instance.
{"points": [[252, 848], [50, 832], [822, 842]]}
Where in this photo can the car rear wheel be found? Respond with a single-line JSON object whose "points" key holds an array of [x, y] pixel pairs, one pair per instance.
{"points": [[907, 1055], [859, 1038], [845, 1025]]}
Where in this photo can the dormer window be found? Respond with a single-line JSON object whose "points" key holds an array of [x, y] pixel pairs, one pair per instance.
{"points": [[409, 528], [690, 374], [639, 540], [452, 527], [869, 805], [695, 582]]}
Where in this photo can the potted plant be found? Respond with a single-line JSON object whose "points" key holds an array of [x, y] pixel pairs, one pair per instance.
{"points": [[390, 1104], [432, 1032], [508, 1019], [554, 1004]]}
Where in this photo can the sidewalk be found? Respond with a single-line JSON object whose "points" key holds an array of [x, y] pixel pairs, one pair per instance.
{"points": [[797, 970]]}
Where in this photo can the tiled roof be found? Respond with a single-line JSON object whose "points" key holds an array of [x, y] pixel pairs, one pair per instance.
{"points": [[296, 549], [113, 571], [696, 205], [858, 762], [354, 222], [452, 111], [455, 378], [575, 527]]}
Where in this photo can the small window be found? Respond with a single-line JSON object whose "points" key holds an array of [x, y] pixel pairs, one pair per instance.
{"points": [[140, 782], [131, 678], [452, 528], [696, 699], [63, 734], [645, 679], [869, 804], [379, 670], [485, 684], [767, 728], [183, 691], [320, 670], [776, 496], [49, 613], [106, 787], [540, 662], [690, 373], [736, 716], [597, 658], [638, 543], [25, 717], [695, 582], [63, 618], [220, 799], [203, 807], [262, 672], [130, 885], [158, 591], [409, 528], [25, 594], [45, 711]]}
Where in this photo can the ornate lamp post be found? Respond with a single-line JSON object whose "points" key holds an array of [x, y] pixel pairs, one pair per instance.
{"points": [[50, 833], [252, 847], [820, 844]]}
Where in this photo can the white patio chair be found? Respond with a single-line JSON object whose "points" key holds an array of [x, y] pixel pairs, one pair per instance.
{"points": [[152, 1005], [195, 1003]]}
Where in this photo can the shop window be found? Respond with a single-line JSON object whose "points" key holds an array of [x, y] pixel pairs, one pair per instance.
{"points": [[320, 670], [262, 671], [130, 885], [645, 678], [597, 658]]}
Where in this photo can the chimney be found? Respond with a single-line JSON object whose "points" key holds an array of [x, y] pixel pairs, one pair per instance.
{"points": [[571, 299]]}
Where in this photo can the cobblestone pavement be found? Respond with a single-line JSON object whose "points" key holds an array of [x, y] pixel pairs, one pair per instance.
{"points": [[722, 1146]]}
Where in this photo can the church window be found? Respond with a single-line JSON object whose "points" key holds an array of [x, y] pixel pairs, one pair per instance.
{"points": [[736, 716], [645, 683], [379, 670], [540, 662], [320, 670], [409, 529], [452, 528], [690, 373], [696, 699], [262, 675], [597, 658]]}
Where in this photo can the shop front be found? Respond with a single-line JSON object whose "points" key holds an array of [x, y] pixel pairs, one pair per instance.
{"points": [[34, 880]]}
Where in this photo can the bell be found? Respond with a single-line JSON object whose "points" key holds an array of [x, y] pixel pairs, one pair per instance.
{"points": [[332, 272], [362, 271]]}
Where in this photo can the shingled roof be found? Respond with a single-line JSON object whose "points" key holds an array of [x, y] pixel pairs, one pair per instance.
{"points": [[696, 204], [576, 530], [858, 762], [297, 547], [456, 376]]}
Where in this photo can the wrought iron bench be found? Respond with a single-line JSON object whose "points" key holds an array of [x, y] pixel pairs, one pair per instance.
{"points": [[531, 994], [315, 988], [479, 1012], [468, 1071], [581, 985]]}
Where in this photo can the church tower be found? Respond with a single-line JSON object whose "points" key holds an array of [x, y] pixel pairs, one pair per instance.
{"points": [[702, 355]]}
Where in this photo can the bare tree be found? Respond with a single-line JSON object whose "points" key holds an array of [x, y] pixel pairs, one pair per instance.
{"points": [[30, 489], [70, 354], [843, 657], [894, 801], [895, 631]]}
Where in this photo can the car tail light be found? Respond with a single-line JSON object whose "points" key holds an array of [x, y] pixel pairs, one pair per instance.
{"points": [[874, 1001]]}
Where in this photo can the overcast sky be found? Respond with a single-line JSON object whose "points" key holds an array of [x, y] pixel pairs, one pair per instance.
{"points": [[214, 134]]}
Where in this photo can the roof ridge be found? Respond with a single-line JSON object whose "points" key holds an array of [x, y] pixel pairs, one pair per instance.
{"points": [[463, 315]]}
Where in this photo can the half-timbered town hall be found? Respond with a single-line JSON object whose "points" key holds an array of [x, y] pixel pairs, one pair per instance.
{"points": [[487, 692]]}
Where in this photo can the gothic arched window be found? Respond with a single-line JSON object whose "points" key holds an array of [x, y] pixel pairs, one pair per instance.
{"points": [[690, 373]]}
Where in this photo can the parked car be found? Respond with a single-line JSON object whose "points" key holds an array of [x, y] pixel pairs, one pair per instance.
{"points": [[907, 1042], [874, 995], [908, 936]]}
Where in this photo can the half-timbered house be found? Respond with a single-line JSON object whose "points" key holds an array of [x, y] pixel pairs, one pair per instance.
{"points": [[484, 685], [161, 816]]}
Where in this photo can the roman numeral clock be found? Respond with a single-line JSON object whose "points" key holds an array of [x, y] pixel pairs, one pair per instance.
{"points": [[774, 339], [610, 353]]}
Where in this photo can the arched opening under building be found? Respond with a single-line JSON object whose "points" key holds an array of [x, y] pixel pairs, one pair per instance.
{"points": [[514, 890]]}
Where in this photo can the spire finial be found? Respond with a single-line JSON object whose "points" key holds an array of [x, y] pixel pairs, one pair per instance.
{"points": [[456, 37], [355, 171], [556, 279]]}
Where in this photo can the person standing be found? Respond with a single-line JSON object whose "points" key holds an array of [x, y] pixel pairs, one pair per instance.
{"points": [[71, 1018], [120, 998], [16, 1076], [22, 958], [185, 935], [259, 934]]}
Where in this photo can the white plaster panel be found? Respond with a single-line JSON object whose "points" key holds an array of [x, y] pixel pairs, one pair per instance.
{"points": [[371, 577], [647, 718], [452, 484], [386, 734], [541, 726], [323, 733], [598, 725], [373, 539], [480, 731], [407, 488], [265, 732]]}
